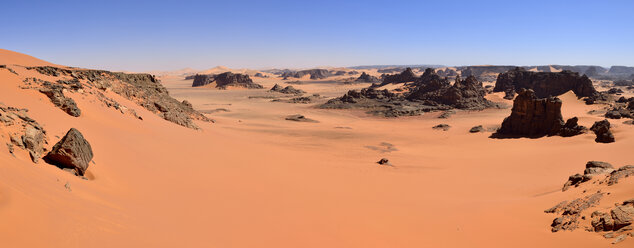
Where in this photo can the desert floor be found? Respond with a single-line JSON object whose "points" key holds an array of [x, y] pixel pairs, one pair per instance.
{"points": [[254, 179]]}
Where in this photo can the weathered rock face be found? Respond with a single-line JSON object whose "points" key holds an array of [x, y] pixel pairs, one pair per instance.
{"points": [[314, 74], [366, 78], [571, 212], [545, 84], [592, 168], [405, 76], [619, 217], [533, 117], [142, 89], [225, 80], [66, 104], [72, 151], [27, 134], [602, 130]]}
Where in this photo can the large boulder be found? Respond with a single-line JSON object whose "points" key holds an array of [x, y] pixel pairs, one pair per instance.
{"points": [[533, 117], [33, 141], [72, 151], [545, 84], [602, 130]]}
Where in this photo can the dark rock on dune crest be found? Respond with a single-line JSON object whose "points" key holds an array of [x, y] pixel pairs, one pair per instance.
{"points": [[225, 80], [72, 151], [57, 97], [545, 84], [602, 130], [592, 168], [142, 89]]}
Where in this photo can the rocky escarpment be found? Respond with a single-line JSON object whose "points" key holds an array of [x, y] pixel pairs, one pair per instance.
{"points": [[545, 84], [142, 89], [535, 117], [72, 152], [614, 222], [22, 132], [225, 80], [427, 93], [314, 74]]}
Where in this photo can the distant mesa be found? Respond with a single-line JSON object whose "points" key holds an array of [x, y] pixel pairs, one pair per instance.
{"points": [[225, 80], [535, 117], [545, 84]]}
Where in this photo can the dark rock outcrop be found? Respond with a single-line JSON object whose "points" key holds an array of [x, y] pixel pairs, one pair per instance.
{"points": [[27, 134], [406, 76], [545, 84], [427, 93], [366, 78], [571, 212], [592, 168], [142, 89], [463, 94], [314, 74], [533, 117], [225, 80], [72, 151], [57, 97], [299, 118], [286, 90], [572, 128], [443, 127], [602, 130], [476, 129], [620, 173]]}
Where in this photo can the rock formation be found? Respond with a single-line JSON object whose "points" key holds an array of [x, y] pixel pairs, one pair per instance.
{"points": [[24, 132], [314, 74], [476, 129], [545, 84], [533, 117], [602, 130], [142, 89], [427, 93], [225, 80], [72, 151], [366, 78], [57, 97], [592, 168], [287, 90], [406, 76], [299, 118]]}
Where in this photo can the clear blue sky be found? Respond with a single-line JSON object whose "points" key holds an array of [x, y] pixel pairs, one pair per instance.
{"points": [[167, 35]]}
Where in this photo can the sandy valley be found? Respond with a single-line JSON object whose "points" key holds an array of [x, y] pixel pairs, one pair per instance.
{"points": [[252, 178]]}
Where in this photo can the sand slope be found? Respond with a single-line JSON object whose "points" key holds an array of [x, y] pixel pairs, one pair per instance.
{"points": [[253, 179]]}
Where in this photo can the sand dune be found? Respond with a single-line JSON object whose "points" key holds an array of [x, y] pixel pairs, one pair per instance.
{"points": [[254, 179]]}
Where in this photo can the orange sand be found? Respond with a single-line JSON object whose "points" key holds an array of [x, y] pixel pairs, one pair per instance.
{"points": [[253, 179]]}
